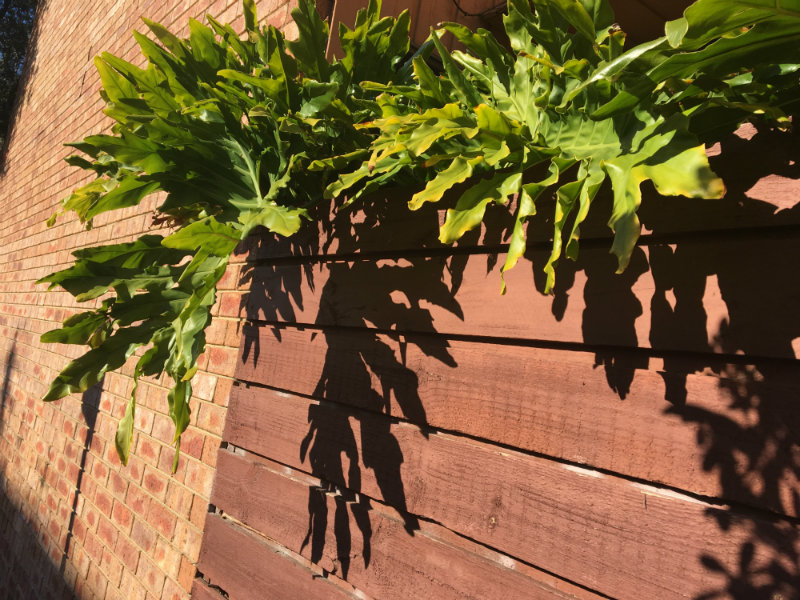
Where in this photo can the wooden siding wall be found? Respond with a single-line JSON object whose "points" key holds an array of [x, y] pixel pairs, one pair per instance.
{"points": [[403, 430], [400, 429]]}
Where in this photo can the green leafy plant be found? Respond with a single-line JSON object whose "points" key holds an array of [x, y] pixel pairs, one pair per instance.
{"points": [[240, 133], [567, 107]]}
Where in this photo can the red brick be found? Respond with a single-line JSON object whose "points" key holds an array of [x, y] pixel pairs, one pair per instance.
{"points": [[91, 517], [127, 553], [187, 540], [234, 333], [131, 588], [94, 547], [215, 333], [137, 500], [163, 429], [96, 580], [230, 304], [211, 418], [112, 567], [112, 457], [118, 485], [199, 512], [151, 576], [186, 574], [210, 451], [100, 472], [192, 443], [179, 500], [155, 483], [135, 469], [199, 478], [161, 519], [104, 502], [143, 535], [78, 529], [172, 591], [148, 450], [107, 532], [221, 360], [122, 516]]}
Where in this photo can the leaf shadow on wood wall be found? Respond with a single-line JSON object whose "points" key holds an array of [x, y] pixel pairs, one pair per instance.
{"points": [[754, 447], [708, 301], [364, 385], [719, 300]]}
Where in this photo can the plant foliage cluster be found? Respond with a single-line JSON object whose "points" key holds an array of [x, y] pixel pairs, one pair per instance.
{"points": [[255, 131]]}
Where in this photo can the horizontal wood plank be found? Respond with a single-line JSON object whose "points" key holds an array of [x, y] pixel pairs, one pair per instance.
{"points": [[250, 567], [721, 298], [624, 539], [713, 428], [367, 544]]}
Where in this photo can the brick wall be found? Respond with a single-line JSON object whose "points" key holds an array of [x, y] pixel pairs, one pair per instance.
{"points": [[73, 520]]}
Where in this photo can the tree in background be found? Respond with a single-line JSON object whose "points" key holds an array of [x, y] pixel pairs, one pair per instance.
{"points": [[16, 23]]}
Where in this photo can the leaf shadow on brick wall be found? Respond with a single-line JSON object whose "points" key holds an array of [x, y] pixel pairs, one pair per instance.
{"points": [[27, 570], [10, 359], [90, 407]]}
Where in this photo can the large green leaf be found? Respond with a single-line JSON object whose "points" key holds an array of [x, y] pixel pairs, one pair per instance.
{"points": [[470, 208], [209, 234], [706, 20]]}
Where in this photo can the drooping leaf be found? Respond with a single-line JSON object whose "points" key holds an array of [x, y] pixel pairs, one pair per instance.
{"points": [[209, 234], [470, 208], [459, 170], [78, 329]]}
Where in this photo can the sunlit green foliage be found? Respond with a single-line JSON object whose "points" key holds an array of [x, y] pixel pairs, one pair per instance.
{"points": [[236, 132], [240, 133]]}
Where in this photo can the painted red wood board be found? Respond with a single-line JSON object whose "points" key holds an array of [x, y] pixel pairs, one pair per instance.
{"points": [[686, 423], [622, 538], [368, 544]]}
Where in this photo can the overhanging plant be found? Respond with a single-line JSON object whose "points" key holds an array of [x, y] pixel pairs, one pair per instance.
{"points": [[236, 133], [567, 107], [242, 133]]}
